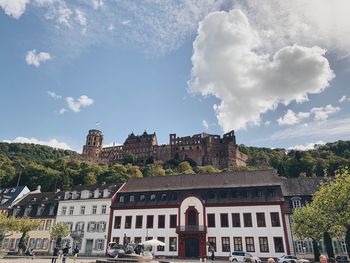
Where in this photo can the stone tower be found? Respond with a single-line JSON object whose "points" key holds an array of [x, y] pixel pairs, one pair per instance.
{"points": [[93, 146]]}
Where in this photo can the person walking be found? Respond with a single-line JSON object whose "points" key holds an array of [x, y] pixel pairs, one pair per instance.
{"points": [[75, 253], [55, 254], [271, 260], [65, 252], [323, 259], [212, 257]]}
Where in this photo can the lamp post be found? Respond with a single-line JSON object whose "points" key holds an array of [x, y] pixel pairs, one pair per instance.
{"points": [[19, 169]]}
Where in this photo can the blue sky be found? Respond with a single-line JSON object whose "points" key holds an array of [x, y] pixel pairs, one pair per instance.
{"points": [[276, 74]]}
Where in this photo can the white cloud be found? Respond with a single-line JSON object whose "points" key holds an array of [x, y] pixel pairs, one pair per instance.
{"points": [[282, 23], [267, 123], [227, 64], [76, 104], [125, 22], [34, 58], [81, 17], [205, 124], [329, 130], [343, 98], [308, 146], [322, 113], [97, 3], [53, 95], [14, 8], [291, 118], [52, 143], [62, 111]]}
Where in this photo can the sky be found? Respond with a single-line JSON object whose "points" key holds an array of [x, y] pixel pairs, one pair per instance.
{"points": [[277, 72]]}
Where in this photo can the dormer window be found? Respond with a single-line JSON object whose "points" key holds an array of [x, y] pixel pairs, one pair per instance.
{"points": [[142, 197], [121, 199], [296, 202], [84, 194], [27, 210], [163, 197], [52, 209], [153, 197], [40, 210], [96, 193], [105, 193], [132, 198]]}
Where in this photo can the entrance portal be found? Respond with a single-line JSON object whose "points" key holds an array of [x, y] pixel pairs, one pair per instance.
{"points": [[192, 247]]}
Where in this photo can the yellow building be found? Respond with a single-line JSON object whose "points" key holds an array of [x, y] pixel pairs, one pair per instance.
{"points": [[38, 206]]}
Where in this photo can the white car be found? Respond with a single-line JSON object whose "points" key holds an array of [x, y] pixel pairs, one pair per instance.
{"points": [[240, 256], [287, 259]]}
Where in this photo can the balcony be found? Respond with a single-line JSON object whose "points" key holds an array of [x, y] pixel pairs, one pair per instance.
{"points": [[77, 233], [191, 229]]}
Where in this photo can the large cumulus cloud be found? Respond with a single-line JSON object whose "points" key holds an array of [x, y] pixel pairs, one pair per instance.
{"points": [[228, 63]]}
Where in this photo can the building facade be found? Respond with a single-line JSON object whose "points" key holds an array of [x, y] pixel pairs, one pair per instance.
{"points": [[85, 210], [203, 148], [237, 211], [8, 196], [37, 206]]}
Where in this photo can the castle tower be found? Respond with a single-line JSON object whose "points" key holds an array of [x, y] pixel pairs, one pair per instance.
{"points": [[93, 146]]}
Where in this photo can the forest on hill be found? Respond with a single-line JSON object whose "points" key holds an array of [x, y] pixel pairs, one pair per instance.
{"points": [[56, 169]]}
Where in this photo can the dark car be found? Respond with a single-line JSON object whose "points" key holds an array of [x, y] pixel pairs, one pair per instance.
{"points": [[342, 259]]}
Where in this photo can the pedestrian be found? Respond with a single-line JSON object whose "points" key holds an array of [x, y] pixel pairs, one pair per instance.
{"points": [[65, 252], [212, 257], [323, 259], [55, 254], [75, 253], [271, 260]]}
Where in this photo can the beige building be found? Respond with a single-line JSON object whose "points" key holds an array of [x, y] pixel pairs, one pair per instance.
{"points": [[38, 206]]}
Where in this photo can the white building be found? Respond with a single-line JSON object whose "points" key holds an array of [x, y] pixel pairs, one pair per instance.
{"points": [[85, 210], [236, 211]]}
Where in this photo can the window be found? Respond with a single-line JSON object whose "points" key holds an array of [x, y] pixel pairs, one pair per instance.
{"points": [[27, 211], [42, 225], [101, 226], [128, 222], [116, 239], [92, 226], [99, 244], [149, 222], [104, 209], [225, 241], [142, 197], [172, 244], [38, 243], [121, 199], [132, 198], [237, 244], [211, 220], [296, 203], [249, 244], [275, 219], [247, 217], [173, 221], [278, 241], [70, 225], [224, 220], [161, 248], [64, 210], [71, 210], [161, 221], [211, 244], [40, 210], [138, 222], [137, 240], [264, 245], [82, 210], [45, 244], [79, 226], [236, 220], [48, 224], [153, 197], [260, 218], [94, 209], [117, 222]]}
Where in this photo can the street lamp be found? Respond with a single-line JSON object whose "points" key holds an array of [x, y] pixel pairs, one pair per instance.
{"points": [[19, 169]]}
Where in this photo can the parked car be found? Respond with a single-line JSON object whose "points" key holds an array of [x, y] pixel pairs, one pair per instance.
{"points": [[240, 256], [292, 259], [287, 259], [342, 259]]}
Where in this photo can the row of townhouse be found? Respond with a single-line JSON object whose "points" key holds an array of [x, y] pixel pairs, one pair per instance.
{"points": [[234, 211]]}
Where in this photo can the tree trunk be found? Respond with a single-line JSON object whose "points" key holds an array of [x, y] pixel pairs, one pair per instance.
{"points": [[328, 243], [316, 250], [347, 240]]}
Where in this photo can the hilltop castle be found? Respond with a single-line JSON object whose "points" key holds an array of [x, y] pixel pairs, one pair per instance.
{"points": [[203, 148]]}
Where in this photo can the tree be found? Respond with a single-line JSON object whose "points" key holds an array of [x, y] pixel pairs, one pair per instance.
{"points": [[24, 225], [58, 232], [308, 223], [185, 168], [7, 226], [208, 169], [154, 170]]}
